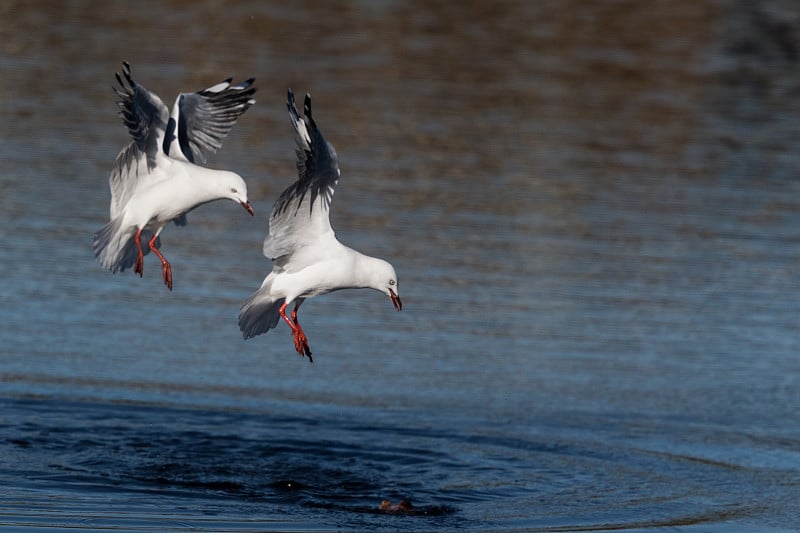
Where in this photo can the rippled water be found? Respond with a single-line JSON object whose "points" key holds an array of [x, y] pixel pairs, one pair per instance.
{"points": [[593, 211]]}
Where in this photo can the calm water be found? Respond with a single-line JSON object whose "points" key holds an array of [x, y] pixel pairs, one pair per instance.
{"points": [[594, 211]]}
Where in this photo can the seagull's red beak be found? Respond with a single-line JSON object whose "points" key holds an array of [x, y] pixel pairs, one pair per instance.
{"points": [[398, 305], [248, 208]]}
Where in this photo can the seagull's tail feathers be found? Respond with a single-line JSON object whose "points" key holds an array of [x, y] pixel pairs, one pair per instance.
{"points": [[115, 247], [259, 314]]}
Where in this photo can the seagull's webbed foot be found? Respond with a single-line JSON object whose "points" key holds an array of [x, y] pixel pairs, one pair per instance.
{"points": [[138, 267], [166, 268], [301, 343], [298, 336], [166, 271]]}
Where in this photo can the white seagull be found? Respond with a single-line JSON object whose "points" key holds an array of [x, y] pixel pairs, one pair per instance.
{"points": [[155, 178], [307, 259]]}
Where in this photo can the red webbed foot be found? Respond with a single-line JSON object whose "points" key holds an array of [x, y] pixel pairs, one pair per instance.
{"points": [[166, 268], [138, 268], [166, 271], [301, 343], [298, 336]]}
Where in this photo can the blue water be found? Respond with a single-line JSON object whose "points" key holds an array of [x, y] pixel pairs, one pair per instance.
{"points": [[593, 212]]}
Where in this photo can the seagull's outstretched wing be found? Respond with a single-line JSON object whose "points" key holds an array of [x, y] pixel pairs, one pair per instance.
{"points": [[300, 216], [145, 116], [200, 121]]}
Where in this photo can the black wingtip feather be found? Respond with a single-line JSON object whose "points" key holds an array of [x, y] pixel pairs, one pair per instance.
{"points": [[307, 106], [126, 71]]}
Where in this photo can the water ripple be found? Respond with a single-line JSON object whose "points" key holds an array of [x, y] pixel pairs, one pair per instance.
{"points": [[262, 464]]}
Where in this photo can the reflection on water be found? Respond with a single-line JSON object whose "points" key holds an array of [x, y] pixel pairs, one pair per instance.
{"points": [[593, 211]]}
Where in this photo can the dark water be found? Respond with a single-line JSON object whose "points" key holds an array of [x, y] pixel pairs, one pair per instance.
{"points": [[593, 209], [99, 465]]}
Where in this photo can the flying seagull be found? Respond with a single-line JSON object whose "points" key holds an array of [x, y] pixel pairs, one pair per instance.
{"points": [[156, 178], [307, 259]]}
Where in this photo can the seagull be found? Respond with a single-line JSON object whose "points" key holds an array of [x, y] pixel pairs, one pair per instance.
{"points": [[156, 178], [307, 259]]}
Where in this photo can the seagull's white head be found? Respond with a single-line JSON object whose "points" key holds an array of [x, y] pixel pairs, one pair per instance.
{"points": [[233, 187], [384, 279]]}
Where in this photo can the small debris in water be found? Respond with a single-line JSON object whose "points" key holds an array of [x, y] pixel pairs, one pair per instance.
{"points": [[403, 506]]}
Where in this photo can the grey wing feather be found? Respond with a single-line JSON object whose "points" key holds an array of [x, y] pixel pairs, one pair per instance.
{"points": [[144, 114], [317, 164], [200, 121], [124, 177], [318, 173]]}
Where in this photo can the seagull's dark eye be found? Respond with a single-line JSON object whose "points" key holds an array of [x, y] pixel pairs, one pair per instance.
{"points": [[233, 190], [392, 282]]}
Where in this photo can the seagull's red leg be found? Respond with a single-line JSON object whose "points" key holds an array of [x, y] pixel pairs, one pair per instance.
{"points": [[297, 344], [300, 333], [299, 338], [138, 268], [166, 268]]}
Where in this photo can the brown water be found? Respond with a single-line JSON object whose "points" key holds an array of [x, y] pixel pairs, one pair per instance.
{"points": [[593, 211]]}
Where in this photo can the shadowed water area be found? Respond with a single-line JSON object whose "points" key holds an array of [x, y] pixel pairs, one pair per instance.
{"points": [[594, 212]]}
